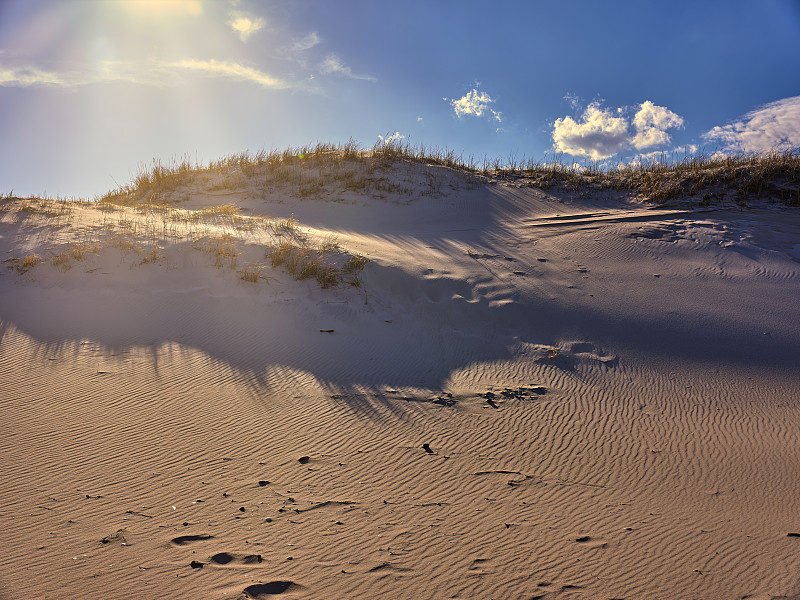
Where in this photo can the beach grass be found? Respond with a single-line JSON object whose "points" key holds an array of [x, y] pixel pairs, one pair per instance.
{"points": [[313, 171]]}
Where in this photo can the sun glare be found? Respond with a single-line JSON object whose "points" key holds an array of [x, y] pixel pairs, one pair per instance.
{"points": [[165, 7]]}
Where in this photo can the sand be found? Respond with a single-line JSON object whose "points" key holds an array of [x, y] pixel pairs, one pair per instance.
{"points": [[532, 394]]}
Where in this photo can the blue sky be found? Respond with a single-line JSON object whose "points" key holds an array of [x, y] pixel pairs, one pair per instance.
{"points": [[91, 89]]}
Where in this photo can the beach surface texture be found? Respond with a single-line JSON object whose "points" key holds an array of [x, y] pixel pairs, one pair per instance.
{"points": [[351, 378]]}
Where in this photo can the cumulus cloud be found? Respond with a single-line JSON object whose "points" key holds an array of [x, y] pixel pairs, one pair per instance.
{"points": [[601, 133], [334, 65], [651, 123], [598, 134], [475, 103], [245, 25], [395, 137], [774, 126]]}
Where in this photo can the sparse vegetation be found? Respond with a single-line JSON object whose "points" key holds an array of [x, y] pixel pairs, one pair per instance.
{"points": [[30, 261], [144, 217], [251, 274], [328, 170]]}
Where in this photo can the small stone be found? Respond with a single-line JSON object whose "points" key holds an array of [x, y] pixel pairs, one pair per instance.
{"points": [[241, 509], [268, 520], [303, 459], [196, 564], [263, 482], [186, 523]]}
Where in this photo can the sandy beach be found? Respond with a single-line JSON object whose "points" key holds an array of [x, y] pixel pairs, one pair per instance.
{"points": [[397, 381]]}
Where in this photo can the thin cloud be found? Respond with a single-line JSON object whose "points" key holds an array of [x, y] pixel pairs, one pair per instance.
{"points": [[334, 65], [217, 68], [573, 100], [309, 41], [245, 25], [475, 103], [774, 126], [153, 72], [32, 76], [601, 133]]}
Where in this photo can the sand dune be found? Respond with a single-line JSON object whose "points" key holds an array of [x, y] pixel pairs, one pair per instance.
{"points": [[525, 393]]}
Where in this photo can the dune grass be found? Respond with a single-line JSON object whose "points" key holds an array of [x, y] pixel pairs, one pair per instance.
{"points": [[315, 171]]}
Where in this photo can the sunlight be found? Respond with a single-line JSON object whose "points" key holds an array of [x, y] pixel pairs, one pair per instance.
{"points": [[166, 8]]}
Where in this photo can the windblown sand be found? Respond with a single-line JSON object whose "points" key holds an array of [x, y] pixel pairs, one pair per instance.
{"points": [[532, 394]]}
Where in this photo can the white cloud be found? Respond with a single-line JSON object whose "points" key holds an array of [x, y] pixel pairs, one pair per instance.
{"points": [[598, 135], [774, 126], [475, 103], [309, 41], [333, 64], [395, 137], [651, 123], [601, 133], [245, 25]]}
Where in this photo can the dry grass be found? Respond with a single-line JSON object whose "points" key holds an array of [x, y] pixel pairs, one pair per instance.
{"points": [[354, 264], [324, 262], [327, 170], [153, 256], [74, 251], [30, 261], [222, 248], [251, 274]]}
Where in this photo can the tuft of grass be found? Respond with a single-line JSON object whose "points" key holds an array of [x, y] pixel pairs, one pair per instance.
{"points": [[62, 261], [152, 257], [78, 251], [30, 261], [354, 264], [280, 253], [221, 247], [251, 274], [287, 226], [328, 245]]}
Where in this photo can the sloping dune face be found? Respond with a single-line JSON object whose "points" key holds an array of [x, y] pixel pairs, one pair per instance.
{"points": [[402, 382]]}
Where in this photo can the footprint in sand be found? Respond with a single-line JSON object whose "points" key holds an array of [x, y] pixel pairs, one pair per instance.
{"points": [[224, 558], [590, 542], [272, 588]]}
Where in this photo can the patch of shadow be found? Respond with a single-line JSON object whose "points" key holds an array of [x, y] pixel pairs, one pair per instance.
{"points": [[386, 567], [271, 588]]}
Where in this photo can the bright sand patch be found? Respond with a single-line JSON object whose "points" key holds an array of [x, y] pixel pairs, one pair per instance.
{"points": [[607, 395]]}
